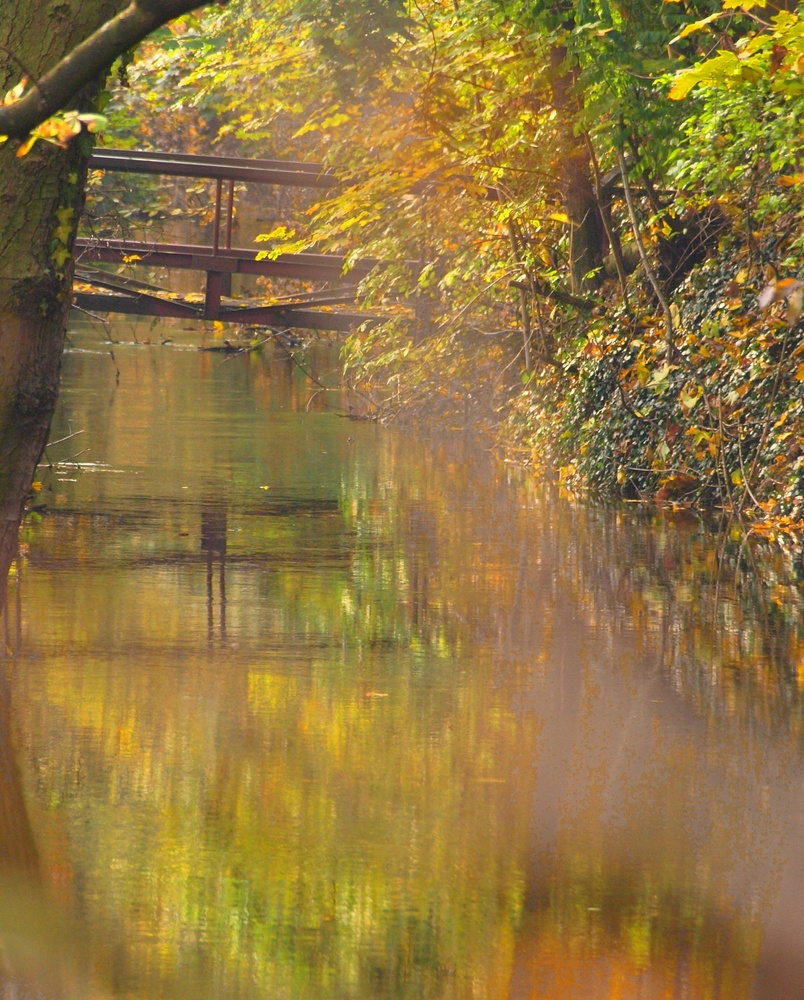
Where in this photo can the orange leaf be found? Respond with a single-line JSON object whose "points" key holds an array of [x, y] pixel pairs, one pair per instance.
{"points": [[778, 290]]}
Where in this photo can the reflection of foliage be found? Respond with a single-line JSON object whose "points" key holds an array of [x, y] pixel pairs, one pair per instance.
{"points": [[331, 790], [725, 613]]}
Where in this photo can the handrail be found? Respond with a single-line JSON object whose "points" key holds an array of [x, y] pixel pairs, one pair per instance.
{"points": [[218, 168], [285, 173]]}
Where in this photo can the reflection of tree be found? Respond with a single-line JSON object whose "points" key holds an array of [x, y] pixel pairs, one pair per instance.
{"points": [[18, 855], [29, 964], [422, 560], [780, 972], [213, 544], [12, 617]]}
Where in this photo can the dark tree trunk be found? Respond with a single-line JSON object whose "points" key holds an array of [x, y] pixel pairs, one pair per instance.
{"points": [[574, 174], [41, 196]]}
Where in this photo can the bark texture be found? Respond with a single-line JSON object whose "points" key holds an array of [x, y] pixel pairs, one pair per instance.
{"points": [[574, 173], [41, 197]]}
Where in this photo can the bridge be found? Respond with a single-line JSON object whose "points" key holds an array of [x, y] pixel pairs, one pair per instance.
{"points": [[100, 290]]}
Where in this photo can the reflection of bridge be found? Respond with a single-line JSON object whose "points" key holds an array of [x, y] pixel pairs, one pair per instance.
{"points": [[106, 291]]}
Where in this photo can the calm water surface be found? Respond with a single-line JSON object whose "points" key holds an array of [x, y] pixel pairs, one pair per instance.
{"points": [[305, 708]]}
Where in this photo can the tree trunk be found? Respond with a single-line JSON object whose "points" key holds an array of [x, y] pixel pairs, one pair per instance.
{"points": [[41, 197], [587, 237]]}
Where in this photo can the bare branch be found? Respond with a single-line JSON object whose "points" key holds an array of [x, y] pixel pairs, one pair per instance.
{"points": [[88, 60]]}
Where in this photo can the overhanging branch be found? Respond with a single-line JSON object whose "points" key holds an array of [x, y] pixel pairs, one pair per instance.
{"points": [[88, 60]]}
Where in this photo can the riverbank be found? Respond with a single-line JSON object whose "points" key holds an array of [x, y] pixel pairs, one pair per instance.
{"points": [[600, 404]]}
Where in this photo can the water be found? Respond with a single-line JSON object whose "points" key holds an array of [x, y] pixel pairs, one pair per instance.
{"points": [[302, 707]]}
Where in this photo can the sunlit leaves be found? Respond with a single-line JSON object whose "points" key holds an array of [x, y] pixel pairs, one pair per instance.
{"points": [[60, 129], [752, 56], [723, 67]]}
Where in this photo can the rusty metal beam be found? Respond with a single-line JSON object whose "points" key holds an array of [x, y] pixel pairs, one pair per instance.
{"points": [[137, 305], [295, 173], [277, 316], [101, 156], [212, 295], [304, 266], [304, 319]]}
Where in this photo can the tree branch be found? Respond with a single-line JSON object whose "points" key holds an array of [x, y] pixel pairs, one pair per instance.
{"points": [[88, 60], [540, 288]]}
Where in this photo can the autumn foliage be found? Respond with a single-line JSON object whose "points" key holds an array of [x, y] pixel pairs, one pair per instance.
{"points": [[591, 215]]}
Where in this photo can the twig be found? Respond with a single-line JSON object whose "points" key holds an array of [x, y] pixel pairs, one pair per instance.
{"points": [[100, 319], [68, 437], [767, 424], [605, 218], [247, 349], [523, 292], [13, 55], [454, 319], [643, 256], [567, 298]]}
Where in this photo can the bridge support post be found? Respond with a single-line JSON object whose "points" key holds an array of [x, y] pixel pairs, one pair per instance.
{"points": [[212, 295]]}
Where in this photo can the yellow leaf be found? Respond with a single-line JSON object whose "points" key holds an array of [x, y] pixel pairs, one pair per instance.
{"points": [[799, 376], [683, 85], [724, 65], [16, 92], [688, 29], [26, 147]]}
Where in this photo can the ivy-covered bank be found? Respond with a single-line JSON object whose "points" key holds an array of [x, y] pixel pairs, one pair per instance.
{"points": [[604, 408], [718, 422]]}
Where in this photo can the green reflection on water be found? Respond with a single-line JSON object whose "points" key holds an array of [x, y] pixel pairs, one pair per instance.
{"points": [[307, 709]]}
